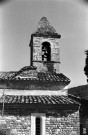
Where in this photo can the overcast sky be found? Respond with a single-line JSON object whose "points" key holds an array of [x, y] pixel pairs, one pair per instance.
{"points": [[19, 19]]}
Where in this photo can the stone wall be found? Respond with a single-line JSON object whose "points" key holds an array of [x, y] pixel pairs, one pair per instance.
{"points": [[63, 125], [37, 48], [11, 125], [55, 125], [37, 52]]}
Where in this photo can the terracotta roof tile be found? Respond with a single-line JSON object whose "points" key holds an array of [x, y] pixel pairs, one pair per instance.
{"points": [[40, 77], [39, 99]]}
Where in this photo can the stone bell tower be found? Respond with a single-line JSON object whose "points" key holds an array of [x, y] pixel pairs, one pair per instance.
{"points": [[45, 50]]}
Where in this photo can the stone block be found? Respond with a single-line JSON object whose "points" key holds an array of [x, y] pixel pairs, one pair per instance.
{"points": [[64, 125]]}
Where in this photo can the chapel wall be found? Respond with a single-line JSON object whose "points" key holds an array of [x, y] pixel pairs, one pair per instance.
{"points": [[15, 125], [54, 125], [63, 125]]}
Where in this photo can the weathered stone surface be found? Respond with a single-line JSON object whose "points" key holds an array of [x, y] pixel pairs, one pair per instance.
{"points": [[15, 125], [18, 125], [63, 125], [37, 53], [44, 27], [37, 45]]}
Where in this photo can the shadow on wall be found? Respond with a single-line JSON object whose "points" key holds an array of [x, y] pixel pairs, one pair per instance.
{"points": [[5, 132]]}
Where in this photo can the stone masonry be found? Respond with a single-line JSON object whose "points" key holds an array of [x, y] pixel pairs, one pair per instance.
{"points": [[17, 125], [63, 125], [37, 52]]}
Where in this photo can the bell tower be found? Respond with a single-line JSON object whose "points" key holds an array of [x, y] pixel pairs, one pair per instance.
{"points": [[45, 50]]}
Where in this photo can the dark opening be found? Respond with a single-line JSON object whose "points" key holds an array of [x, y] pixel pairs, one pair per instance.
{"points": [[46, 51], [38, 126]]}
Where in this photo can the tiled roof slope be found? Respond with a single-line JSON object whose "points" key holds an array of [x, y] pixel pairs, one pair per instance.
{"points": [[41, 77], [39, 99], [45, 28], [29, 79]]}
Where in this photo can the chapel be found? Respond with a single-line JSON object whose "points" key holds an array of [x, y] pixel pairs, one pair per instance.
{"points": [[34, 100]]}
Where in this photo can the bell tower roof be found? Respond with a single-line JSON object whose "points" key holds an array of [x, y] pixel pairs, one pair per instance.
{"points": [[45, 28], [43, 72]]}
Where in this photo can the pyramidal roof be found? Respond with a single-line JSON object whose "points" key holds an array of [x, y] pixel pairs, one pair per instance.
{"points": [[45, 28]]}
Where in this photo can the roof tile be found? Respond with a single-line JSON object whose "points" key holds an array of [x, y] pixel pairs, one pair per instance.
{"points": [[40, 77], [39, 99]]}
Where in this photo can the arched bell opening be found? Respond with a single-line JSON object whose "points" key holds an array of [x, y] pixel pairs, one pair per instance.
{"points": [[46, 51]]}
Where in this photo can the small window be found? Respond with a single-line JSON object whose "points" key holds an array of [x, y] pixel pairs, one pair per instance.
{"points": [[46, 51], [38, 126]]}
